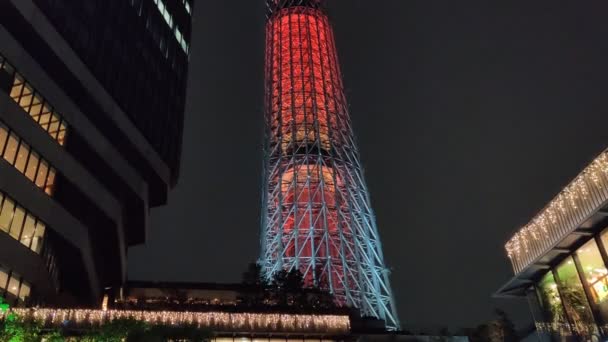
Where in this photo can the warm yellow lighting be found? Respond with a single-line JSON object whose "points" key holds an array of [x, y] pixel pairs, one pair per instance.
{"points": [[570, 208], [219, 321]]}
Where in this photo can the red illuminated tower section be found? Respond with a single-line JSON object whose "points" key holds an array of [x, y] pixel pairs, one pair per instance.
{"points": [[316, 211]]}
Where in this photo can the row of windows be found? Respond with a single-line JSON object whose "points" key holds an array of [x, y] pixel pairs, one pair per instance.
{"points": [[20, 224], [162, 8], [164, 12], [34, 104], [13, 284], [19, 154], [574, 295]]}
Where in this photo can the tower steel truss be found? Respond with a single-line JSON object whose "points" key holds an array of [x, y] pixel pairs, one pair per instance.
{"points": [[316, 208]]}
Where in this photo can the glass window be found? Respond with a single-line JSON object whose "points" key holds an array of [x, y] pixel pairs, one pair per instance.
{"points": [[17, 87], [29, 227], [22, 154], [46, 111], [550, 299], [50, 182], [13, 284], [45, 118], [42, 173], [38, 237], [36, 107], [11, 148], [574, 298], [32, 166], [62, 131], [3, 278], [17, 223], [6, 214], [24, 293], [54, 126], [3, 136], [26, 98], [594, 270], [604, 238]]}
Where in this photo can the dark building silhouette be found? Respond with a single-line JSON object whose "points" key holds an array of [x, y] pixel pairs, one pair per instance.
{"points": [[92, 99]]}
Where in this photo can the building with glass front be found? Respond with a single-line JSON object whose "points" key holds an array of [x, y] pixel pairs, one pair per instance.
{"points": [[560, 260], [92, 97]]}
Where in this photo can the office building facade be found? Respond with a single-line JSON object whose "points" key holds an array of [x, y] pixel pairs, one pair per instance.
{"points": [[92, 96]]}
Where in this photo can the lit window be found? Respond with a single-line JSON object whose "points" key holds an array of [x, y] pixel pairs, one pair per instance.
{"points": [[11, 148], [22, 154], [38, 237], [20, 224], [24, 292], [3, 136], [29, 227], [17, 224], [32, 166], [43, 169], [3, 278], [575, 301], [34, 104], [13, 284], [61, 134], [17, 88], [45, 118], [54, 126], [6, 214], [594, 270], [50, 182]]}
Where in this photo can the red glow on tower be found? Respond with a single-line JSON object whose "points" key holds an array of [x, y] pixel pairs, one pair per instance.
{"points": [[316, 212], [306, 96], [304, 71]]}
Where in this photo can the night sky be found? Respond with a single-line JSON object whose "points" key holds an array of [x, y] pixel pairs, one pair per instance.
{"points": [[470, 117]]}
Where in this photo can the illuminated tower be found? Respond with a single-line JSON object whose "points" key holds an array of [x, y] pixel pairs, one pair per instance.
{"points": [[316, 209]]}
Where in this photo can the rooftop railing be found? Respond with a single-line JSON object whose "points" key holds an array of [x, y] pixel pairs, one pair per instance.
{"points": [[574, 205]]}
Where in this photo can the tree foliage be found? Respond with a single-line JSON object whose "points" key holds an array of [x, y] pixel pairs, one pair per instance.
{"points": [[15, 329], [500, 329], [286, 289]]}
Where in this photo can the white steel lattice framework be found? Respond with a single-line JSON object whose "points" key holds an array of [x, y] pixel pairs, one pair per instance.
{"points": [[316, 209]]}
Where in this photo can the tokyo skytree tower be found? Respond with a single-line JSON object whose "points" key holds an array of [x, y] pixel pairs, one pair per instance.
{"points": [[316, 212]]}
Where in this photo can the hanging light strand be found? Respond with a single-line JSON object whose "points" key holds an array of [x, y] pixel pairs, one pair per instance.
{"points": [[219, 321], [574, 204]]}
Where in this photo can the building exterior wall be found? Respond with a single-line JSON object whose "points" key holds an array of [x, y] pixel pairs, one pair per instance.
{"points": [[85, 148]]}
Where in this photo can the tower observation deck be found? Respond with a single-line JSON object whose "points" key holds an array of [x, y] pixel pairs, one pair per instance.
{"points": [[316, 212]]}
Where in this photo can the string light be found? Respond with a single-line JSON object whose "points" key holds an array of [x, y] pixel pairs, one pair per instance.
{"points": [[218, 321], [581, 198]]}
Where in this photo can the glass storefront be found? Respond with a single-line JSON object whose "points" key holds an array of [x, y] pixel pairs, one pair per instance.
{"points": [[551, 302], [595, 273], [573, 296]]}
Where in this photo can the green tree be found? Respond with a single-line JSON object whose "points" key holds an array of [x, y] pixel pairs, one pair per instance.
{"points": [[17, 329]]}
